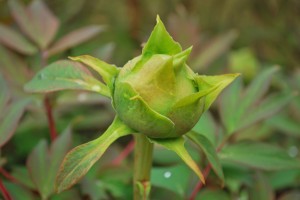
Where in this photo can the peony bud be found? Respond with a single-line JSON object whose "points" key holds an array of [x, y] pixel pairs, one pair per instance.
{"points": [[156, 93]]}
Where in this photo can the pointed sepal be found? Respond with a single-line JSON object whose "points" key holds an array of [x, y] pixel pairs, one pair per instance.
{"points": [[177, 145], [160, 41]]}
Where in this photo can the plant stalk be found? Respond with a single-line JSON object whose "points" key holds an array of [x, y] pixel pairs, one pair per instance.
{"points": [[142, 167]]}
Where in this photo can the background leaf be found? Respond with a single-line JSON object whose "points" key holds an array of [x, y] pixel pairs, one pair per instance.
{"points": [[209, 151], [43, 164], [258, 155], [16, 41], [36, 21], [74, 38], [80, 159], [46, 24], [11, 119]]}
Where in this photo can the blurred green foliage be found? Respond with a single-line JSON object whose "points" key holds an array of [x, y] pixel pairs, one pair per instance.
{"points": [[250, 37]]}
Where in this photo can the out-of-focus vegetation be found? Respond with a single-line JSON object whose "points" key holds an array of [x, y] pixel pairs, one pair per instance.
{"points": [[254, 127]]}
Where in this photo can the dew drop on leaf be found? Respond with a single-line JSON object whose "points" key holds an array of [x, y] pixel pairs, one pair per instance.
{"points": [[167, 174], [293, 151]]}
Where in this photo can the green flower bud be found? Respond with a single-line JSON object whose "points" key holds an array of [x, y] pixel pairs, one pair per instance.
{"points": [[156, 93]]}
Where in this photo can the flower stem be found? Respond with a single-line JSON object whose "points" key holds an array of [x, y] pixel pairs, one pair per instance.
{"points": [[142, 167], [50, 118]]}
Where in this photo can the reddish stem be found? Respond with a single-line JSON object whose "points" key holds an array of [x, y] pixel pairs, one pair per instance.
{"points": [[205, 174], [51, 122], [5, 192], [8, 176], [200, 184], [128, 149]]}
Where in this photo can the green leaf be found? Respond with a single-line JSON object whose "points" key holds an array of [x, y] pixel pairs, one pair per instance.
{"points": [[36, 21], [217, 82], [209, 151], [258, 155], [208, 127], [12, 117], [160, 42], [213, 194], [286, 124], [74, 38], [284, 179], [22, 175], [256, 90], [177, 145], [106, 71], [18, 192], [16, 41], [62, 75], [43, 164], [4, 95], [175, 178], [271, 105], [261, 188], [229, 101], [80, 159]]}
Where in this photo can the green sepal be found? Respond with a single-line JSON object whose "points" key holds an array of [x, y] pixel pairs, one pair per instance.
{"points": [[80, 159], [217, 82], [131, 106], [107, 71], [180, 58], [63, 75], [177, 145], [160, 41]]}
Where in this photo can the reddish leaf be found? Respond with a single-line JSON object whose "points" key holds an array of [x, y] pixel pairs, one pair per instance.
{"points": [[36, 21], [16, 41], [74, 38], [9, 123]]}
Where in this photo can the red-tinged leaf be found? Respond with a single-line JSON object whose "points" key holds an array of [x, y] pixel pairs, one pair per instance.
{"points": [[16, 41], [63, 75], [45, 22], [36, 21], [43, 163], [11, 119], [4, 95], [74, 38], [23, 19], [80, 159], [13, 67]]}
